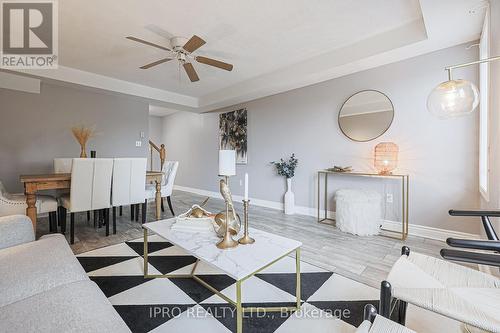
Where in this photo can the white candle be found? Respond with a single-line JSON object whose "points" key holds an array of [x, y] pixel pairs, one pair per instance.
{"points": [[246, 186]]}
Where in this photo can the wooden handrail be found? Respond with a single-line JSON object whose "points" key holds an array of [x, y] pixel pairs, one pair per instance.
{"points": [[161, 151]]}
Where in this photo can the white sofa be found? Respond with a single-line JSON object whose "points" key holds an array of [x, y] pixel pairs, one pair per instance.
{"points": [[43, 288]]}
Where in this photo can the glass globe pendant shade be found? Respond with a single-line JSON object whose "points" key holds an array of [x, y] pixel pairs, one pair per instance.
{"points": [[454, 98]]}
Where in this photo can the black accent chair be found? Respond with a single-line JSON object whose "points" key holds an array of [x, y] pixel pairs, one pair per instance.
{"points": [[395, 309], [492, 244]]}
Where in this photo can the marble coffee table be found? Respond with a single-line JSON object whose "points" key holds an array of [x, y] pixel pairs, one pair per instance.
{"points": [[240, 263]]}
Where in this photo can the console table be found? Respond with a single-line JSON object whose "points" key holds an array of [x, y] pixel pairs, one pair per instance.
{"points": [[405, 185]]}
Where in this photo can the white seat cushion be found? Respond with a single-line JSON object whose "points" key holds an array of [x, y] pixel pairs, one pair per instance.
{"points": [[384, 325], [75, 307], [45, 204], [35, 267], [452, 290], [14, 204]]}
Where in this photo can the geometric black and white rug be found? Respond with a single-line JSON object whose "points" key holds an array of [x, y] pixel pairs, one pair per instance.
{"points": [[331, 303]]}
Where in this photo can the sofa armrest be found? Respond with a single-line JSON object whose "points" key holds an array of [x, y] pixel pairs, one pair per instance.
{"points": [[15, 230]]}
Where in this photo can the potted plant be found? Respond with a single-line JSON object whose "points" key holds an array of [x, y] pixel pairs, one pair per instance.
{"points": [[286, 168]]}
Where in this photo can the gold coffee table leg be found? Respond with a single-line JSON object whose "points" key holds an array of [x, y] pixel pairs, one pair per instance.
{"points": [[297, 271], [239, 309]]}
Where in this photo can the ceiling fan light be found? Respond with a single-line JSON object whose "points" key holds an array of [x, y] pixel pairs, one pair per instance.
{"points": [[454, 98]]}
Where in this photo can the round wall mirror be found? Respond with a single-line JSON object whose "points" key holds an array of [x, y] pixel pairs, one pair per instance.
{"points": [[366, 115]]}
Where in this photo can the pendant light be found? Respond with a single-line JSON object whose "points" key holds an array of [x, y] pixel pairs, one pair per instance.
{"points": [[455, 98]]}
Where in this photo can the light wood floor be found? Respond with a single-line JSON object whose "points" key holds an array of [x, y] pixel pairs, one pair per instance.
{"points": [[364, 259]]}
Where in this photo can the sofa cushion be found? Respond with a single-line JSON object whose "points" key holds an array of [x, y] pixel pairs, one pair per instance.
{"points": [[35, 267], [75, 307], [15, 230]]}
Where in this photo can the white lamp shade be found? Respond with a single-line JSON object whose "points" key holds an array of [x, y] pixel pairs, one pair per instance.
{"points": [[453, 98], [227, 162]]}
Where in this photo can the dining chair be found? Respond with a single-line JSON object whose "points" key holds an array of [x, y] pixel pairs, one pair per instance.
{"points": [[170, 171], [90, 190], [129, 177], [62, 165], [14, 204]]}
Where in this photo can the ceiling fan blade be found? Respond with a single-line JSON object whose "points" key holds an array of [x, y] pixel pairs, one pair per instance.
{"points": [[155, 63], [215, 63], [193, 44], [142, 41], [188, 67]]}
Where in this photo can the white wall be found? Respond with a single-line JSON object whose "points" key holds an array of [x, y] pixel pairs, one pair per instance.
{"points": [[494, 180], [155, 135], [440, 156]]}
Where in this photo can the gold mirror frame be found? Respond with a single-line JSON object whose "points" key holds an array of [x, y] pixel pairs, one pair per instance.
{"points": [[382, 133]]}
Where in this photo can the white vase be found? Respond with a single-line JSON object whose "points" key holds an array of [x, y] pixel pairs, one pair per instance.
{"points": [[289, 198]]}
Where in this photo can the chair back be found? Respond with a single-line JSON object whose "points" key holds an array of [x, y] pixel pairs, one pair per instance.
{"points": [[101, 189], [82, 174], [10, 204], [129, 177], [90, 184], [62, 165], [170, 170]]}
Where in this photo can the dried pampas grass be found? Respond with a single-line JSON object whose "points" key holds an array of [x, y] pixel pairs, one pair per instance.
{"points": [[82, 134]]}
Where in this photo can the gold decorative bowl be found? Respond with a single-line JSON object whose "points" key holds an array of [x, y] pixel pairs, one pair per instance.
{"points": [[220, 224]]}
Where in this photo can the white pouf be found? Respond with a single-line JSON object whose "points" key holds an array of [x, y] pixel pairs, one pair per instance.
{"points": [[358, 212]]}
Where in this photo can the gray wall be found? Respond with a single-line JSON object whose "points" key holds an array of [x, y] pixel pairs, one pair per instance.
{"points": [[362, 127], [440, 156], [35, 128]]}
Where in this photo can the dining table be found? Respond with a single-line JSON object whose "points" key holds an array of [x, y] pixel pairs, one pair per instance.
{"points": [[57, 181]]}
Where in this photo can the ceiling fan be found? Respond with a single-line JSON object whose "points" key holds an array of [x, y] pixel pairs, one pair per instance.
{"points": [[181, 51]]}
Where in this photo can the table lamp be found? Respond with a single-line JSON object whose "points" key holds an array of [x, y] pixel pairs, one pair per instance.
{"points": [[386, 157], [227, 168]]}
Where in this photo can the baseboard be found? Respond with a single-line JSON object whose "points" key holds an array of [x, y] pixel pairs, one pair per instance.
{"points": [[413, 229], [427, 232]]}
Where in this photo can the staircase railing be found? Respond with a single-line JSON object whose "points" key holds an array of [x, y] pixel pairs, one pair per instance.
{"points": [[160, 150]]}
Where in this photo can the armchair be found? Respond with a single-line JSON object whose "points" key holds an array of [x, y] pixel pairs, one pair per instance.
{"points": [[167, 185], [452, 290], [15, 204], [492, 244], [458, 292]]}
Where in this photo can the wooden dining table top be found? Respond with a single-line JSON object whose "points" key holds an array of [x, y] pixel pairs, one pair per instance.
{"points": [[63, 176]]}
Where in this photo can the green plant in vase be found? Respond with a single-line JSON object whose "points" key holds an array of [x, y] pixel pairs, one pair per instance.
{"points": [[286, 168]]}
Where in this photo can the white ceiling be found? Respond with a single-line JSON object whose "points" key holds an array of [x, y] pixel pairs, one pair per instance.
{"points": [[274, 45]]}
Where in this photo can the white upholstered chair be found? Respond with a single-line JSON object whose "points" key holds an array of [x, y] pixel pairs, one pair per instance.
{"points": [[62, 165], [15, 204], [129, 177], [90, 190], [170, 170]]}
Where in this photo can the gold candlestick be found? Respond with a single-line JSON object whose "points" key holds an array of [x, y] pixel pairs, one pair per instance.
{"points": [[227, 242], [246, 239]]}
